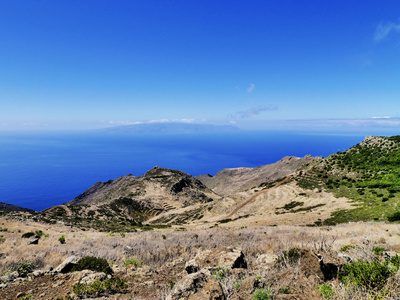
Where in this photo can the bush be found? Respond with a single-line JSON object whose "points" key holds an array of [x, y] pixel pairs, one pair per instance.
{"points": [[61, 239], [326, 290], [132, 261], [39, 233], [378, 250], [99, 287], [394, 262], [394, 217], [27, 235], [24, 268], [262, 294], [94, 264], [348, 247], [284, 290], [366, 274]]}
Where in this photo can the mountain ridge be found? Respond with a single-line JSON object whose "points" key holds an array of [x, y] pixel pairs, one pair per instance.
{"points": [[359, 184]]}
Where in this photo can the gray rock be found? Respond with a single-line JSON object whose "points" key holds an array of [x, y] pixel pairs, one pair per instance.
{"points": [[87, 277], [66, 265], [10, 277], [199, 285], [212, 259], [346, 257], [389, 254], [33, 240], [37, 273]]}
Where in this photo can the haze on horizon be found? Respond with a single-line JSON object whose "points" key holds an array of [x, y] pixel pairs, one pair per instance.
{"points": [[326, 65]]}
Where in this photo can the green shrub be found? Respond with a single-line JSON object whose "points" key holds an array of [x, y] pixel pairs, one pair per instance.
{"points": [[348, 247], [366, 274], [220, 273], [61, 239], [262, 294], [99, 287], [378, 250], [27, 235], [94, 264], [132, 262], [394, 217], [24, 268], [284, 290], [171, 284], [326, 290], [394, 262], [39, 233]]}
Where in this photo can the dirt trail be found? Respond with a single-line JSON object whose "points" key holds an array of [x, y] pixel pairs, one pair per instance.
{"points": [[288, 178], [67, 210]]}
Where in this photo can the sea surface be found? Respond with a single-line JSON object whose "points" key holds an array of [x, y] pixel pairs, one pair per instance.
{"points": [[39, 170]]}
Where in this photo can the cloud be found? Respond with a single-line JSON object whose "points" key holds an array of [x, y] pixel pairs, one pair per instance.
{"points": [[373, 122], [173, 121], [250, 88], [252, 111], [385, 117], [126, 122], [122, 122], [383, 30]]}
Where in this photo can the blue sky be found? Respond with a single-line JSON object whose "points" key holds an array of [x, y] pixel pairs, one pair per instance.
{"points": [[326, 65]]}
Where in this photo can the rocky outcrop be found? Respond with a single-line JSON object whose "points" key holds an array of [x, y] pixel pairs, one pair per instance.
{"points": [[141, 198], [230, 181], [325, 266], [33, 240], [66, 265], [230, 258], [199, 285]]}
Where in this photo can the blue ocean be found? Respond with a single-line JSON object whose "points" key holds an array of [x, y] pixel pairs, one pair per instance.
{"points": [[39, 170]]}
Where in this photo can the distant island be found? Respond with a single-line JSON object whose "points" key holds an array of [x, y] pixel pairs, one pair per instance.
{"points": [[10, 207], [169, 128]]}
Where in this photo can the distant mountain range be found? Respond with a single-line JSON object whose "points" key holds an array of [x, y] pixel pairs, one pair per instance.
{"points": [[169, 128]]}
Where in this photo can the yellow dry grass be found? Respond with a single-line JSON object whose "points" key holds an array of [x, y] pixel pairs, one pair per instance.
{"points": [[154, 250]]}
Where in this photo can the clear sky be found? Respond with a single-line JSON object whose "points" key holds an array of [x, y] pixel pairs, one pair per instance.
{"points": [[257, 64]]}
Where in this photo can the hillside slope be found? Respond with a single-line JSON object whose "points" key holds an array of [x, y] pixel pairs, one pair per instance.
{"points": [[368, 173], [229, 181], [360, 184]]}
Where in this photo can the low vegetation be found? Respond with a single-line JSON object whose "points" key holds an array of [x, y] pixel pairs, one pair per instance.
{"points": [[367, 173], [94, 264], [99, 288]]}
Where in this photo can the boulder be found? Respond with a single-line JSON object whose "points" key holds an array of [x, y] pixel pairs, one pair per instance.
{"points": [[266, 259], [33, 240], [199, 285], [212, 259], [10, 277], [66, 265], [325, 266], [87, 277]]}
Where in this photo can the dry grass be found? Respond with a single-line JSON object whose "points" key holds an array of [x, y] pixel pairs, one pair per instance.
{"points": [[155, 250]]}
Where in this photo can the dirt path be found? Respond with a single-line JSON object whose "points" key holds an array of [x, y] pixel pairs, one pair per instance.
{"points": [[64, 207], [288, 178]]}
